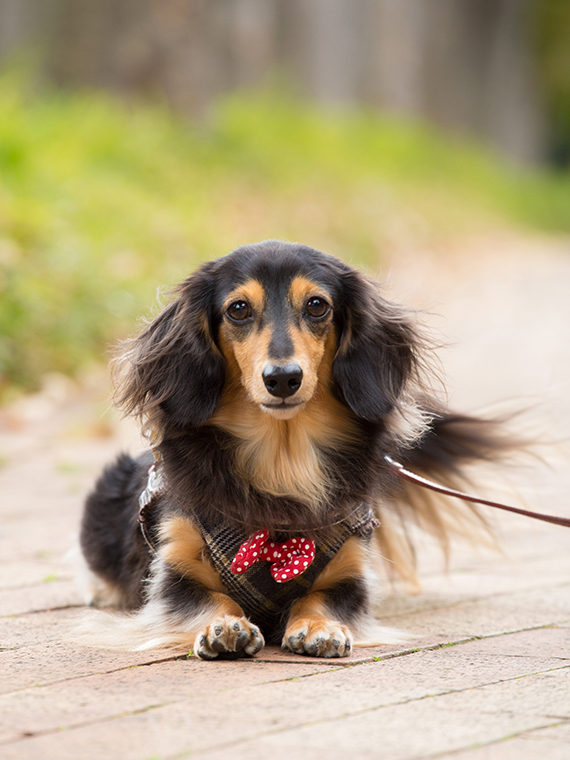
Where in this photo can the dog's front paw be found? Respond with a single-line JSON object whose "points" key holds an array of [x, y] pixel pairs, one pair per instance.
{"points": [[227, 637], [318, 638]]}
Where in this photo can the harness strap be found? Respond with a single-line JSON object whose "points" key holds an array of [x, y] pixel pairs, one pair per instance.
{"points": [[425, 483], [154, 489]]}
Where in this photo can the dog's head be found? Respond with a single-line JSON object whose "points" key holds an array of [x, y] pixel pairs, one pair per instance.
{"points": [[279, 320]]}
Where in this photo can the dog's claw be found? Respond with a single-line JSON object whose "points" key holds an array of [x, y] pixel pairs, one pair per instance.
{"points": [[294, 643], [318, 638], [242, 640], [228, 637]]}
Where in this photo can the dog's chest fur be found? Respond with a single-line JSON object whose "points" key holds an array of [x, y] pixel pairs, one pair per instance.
{"points": [[200, 468]]}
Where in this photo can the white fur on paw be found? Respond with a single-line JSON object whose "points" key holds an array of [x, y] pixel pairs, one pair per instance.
{"points": [[228, 635], [318, 638]]}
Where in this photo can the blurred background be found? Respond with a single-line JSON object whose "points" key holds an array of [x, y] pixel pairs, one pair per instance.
{"points": [[140, 137]]}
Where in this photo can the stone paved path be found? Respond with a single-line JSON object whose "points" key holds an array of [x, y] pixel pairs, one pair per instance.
{"points": [[486, 673]]}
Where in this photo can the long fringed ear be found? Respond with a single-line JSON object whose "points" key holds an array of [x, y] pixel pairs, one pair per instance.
{"points": [[173, 373], [377, 349]]}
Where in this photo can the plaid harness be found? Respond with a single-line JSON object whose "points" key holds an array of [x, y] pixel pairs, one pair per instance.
{"points": [[263, 600]]}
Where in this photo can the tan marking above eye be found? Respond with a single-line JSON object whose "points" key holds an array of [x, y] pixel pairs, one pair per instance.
{"points": [[251, 291], [302, 289]]}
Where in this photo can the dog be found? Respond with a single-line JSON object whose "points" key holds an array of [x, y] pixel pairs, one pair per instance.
{"points": [[272, 388]]}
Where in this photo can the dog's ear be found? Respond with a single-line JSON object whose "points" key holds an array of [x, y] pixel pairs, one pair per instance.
{"points": [[173, 372], [376, 351]]}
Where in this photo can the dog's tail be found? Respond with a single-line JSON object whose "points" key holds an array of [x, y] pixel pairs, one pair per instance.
{"points": [[116, 558], [456, 441], [447, 453]]}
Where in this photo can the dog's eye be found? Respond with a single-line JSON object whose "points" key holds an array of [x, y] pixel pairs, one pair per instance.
{"points": [[238, 310], [317, 307]]}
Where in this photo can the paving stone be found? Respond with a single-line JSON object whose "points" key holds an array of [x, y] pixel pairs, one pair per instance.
{"points": [[37, 628], [415, 729], [550, 743], [540, 643], [48, 536], [41, 596], [29, 667], [261, 697], [283, 730], [97, 698], [488, 615], [16, 575]]}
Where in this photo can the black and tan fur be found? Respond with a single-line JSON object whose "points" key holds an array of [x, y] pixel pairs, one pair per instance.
{"points": [[239, 455]]}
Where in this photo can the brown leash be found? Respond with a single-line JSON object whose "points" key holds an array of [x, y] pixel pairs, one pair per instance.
{"points": [[425, 483]]}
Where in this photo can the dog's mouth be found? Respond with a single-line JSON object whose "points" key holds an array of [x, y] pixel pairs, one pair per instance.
{"points": [[282, 410]]}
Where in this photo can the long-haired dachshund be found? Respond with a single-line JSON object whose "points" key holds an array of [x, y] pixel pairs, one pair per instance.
{"points": [[271, 388]]}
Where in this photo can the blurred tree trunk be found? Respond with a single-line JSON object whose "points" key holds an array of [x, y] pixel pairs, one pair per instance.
{"points": [[465, 64], [26, 22], [479, 73], [187, 50]]}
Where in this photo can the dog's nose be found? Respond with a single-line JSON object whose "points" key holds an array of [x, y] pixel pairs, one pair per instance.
{"points": [[282, 381]]}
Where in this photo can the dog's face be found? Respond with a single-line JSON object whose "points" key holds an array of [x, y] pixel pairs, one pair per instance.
{"points": [[273, 334], [279, 320]]}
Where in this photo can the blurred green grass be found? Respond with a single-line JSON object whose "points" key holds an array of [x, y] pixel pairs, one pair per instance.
{"points": [[102, 202]]}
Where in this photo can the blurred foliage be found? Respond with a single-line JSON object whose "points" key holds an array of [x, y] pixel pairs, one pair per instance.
{"points": [[101, 202], [551, 26]]}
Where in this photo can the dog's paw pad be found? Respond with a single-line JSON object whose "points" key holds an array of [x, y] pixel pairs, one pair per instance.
{"points": [[228, 636], [318, 638]]}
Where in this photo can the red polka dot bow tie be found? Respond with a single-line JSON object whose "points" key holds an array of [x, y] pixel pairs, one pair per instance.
{"points": [[288, 559]]}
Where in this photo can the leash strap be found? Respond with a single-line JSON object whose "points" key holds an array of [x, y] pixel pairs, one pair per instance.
{"points": [[425, 483]]}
